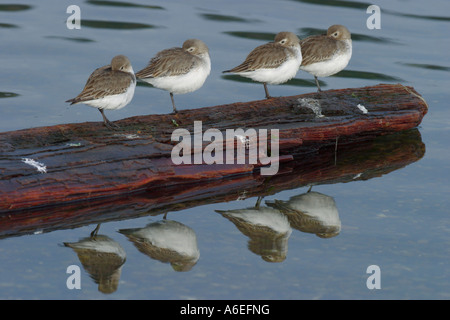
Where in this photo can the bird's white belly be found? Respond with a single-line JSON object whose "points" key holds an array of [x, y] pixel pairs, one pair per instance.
{"points": [[329, 67], [283, 73], [191, 81], [115, 101]]}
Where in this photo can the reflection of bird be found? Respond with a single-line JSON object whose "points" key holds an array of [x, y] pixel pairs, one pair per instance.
{"points": [[109, 87], [178, 70], [268, 230], [272, 63], [102, 258], [327, 54], [167, 241], [311, 212]]}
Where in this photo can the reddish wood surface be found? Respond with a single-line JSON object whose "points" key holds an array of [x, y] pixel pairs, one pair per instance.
{"points": [[89, 162]]}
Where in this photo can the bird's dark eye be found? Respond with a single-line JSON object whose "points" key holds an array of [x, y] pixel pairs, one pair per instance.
{"points": [[283, 41], [335, 34]]}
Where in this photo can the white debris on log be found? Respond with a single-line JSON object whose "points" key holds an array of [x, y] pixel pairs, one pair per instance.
{"points": [[38, 165], [362, 108]]}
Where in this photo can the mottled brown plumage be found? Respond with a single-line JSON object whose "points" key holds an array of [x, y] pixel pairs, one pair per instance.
{"points": [[168, 62], [322, 47], [268, 230], [272, 63], [311, 212], [109, 87], [178, 70], [167, 241], [269, 55], [114, 78], [326, 54]]}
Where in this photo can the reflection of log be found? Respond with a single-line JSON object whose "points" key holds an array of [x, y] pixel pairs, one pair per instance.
{"points": [[353, 162], [86, 161]]}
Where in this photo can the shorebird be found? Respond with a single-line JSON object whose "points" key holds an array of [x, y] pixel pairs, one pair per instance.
{"points": [[110, 87], [272, 63], [178, 70], [311, 212], [326, 54], [167, 241]]}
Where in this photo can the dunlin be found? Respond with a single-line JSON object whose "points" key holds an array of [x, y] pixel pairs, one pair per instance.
{"points": [[272, 63], [166, 241], [311, 212], [109, 87], [102, 258], [326, 54], [268, 229], [178, 70]]}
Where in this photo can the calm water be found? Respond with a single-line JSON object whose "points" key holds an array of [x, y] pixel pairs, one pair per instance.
{"points": [[397, 219]]}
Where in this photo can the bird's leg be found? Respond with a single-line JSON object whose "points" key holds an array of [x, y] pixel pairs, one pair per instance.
{"points": [[95, 231], [267, 91], [173, 103], [108, 124], [317, 84], [258, 202]]}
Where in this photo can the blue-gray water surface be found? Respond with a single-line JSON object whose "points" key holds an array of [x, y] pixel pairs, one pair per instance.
{"points": [[398, 220]]}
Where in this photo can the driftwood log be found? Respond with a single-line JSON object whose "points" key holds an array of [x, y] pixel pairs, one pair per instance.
{"points": [[87, 162]]}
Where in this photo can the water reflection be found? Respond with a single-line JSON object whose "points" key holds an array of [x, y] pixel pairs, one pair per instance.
{"points": [[8, 25], [102, 258], [425, 66], [417, 16], [226, 18], [123, 4], [364, 5], [8, 94], [100, 24], [311, 212], [367, 75], [265, 36], [14, 7], [267, 228], [75, 39], [167, 241], [338, 3]]}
